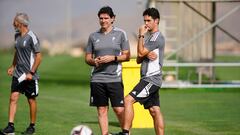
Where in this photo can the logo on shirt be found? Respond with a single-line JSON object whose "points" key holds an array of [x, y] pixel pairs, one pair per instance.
{"points": [[24, 43], [113, 38], [98, 40]]}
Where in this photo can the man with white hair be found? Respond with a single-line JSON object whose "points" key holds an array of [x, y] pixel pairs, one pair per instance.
{"points": [[27, 58]]}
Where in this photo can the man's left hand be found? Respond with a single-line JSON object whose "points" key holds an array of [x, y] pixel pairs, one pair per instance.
{"points": [[29, 76]]}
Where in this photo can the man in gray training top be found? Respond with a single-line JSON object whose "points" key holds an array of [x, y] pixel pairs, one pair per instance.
{"points": [[150, 54], [26, 60], [106, 49]]}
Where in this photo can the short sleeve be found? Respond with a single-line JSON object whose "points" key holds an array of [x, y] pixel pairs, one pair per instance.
{"points": [[36, 45], [35, 42], [125, 42], [152, 45], [89, 47], [155, 42]]}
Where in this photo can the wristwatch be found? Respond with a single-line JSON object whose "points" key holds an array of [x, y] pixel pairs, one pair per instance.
{"points": [[115, 58], [31, 72]]}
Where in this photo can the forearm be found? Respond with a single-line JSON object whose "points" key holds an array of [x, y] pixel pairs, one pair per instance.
{"points": [[140, 47], [124, 57], [90, 62], [14, 62], [89, 59], [141, 50]]}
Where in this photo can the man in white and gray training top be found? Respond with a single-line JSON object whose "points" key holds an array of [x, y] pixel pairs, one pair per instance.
{"points": [[24, 67], [150, 54], [106, 49]]}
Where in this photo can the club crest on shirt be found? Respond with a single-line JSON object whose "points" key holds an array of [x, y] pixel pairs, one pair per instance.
{"points": [[113, 38], [98, 40], [24, 43]]}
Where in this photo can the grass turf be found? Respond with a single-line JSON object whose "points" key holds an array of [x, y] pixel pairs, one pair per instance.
{"points": [[64, 98]]}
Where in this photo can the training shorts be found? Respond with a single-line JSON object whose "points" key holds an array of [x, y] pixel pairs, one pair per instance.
{"points": [[29, 88], [146, 93], [102, 92]]}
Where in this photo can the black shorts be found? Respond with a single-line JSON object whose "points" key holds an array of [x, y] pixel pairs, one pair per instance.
{"points": [[102, 92], [29, 88], [146, 93]]}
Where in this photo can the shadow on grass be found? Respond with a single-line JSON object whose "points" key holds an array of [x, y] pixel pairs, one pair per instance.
{"points": [[111, 123]]}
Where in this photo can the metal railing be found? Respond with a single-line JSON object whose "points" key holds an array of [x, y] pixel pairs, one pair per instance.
{"points": [[189, 84]]}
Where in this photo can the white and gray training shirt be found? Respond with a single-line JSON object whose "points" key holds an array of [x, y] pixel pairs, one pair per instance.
{"points": [[26, 48], [112, 43], [151, 70]]}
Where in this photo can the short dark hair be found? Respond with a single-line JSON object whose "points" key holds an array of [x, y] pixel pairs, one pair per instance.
{"points": [[106, 10], [153, 12]]}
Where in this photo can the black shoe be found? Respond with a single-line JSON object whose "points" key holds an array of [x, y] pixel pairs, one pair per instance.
{"points": [[9, 130], [29, 131], [120, 133]]}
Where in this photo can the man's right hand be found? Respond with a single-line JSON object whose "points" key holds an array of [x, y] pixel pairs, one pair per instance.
{"points": [[97, 61], [143, 29], [10, 70]]}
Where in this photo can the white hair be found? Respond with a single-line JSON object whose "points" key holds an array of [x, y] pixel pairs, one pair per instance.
{"points": [[22, 18]]}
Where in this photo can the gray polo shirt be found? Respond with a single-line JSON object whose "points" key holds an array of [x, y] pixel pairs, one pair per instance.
{"points": [[151, 71], [26, 48], [112, 43]]}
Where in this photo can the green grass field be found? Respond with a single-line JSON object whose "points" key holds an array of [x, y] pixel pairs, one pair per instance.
{"points": [[64, 98]]}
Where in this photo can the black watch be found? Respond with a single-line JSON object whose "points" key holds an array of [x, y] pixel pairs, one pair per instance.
{"points": [[115, 58], [32, 73], [140, 36]]}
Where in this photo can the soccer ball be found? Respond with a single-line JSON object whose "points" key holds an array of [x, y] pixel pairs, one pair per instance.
{"points": [[81, 130]]}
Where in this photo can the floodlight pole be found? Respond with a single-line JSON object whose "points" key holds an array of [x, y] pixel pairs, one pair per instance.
{"points": [[213, 40]]}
